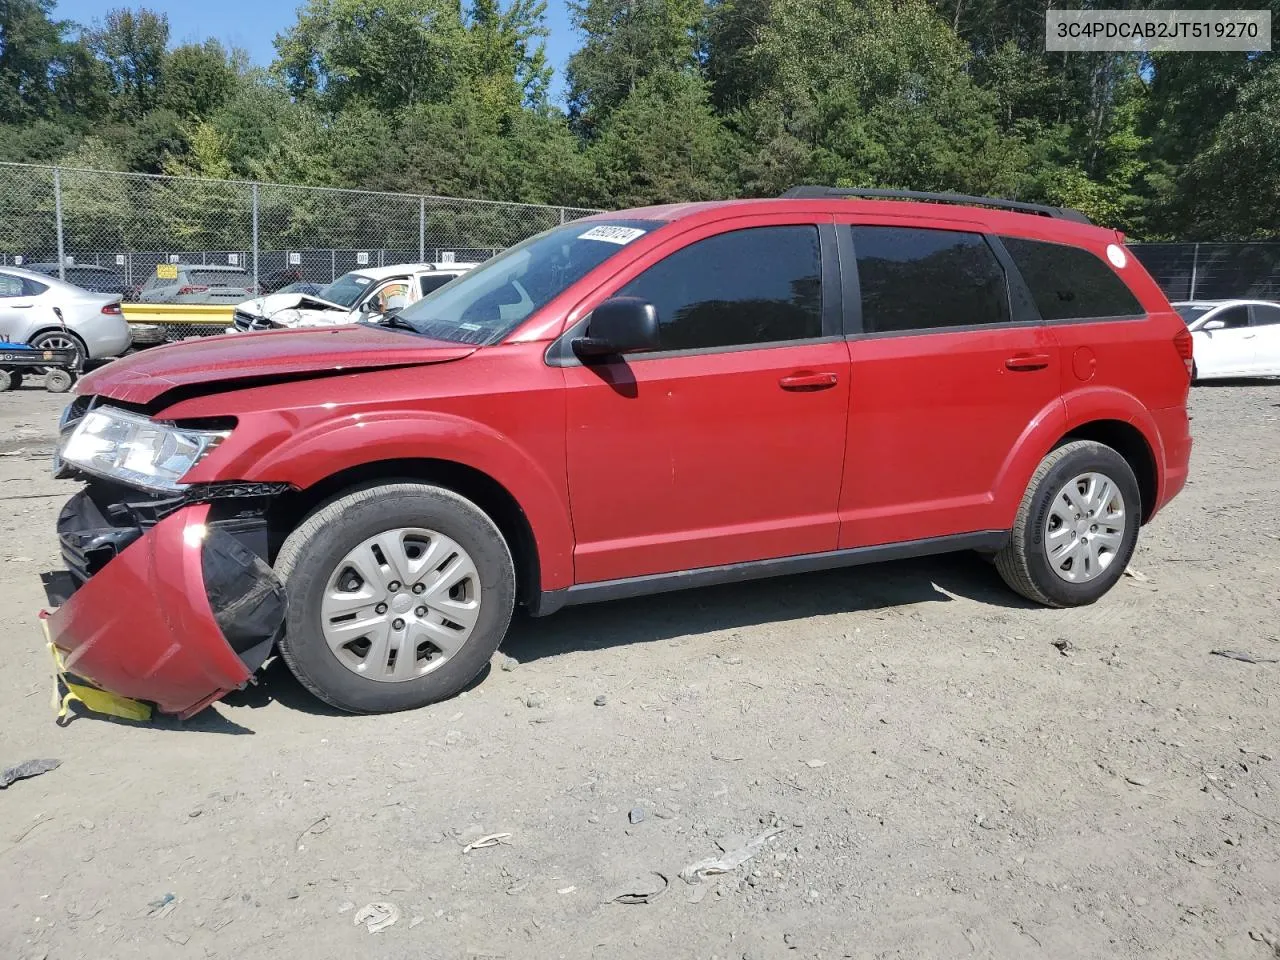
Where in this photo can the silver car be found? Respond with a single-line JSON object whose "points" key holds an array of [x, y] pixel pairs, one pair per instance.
{"points": [[196, 283], [92, 324]]}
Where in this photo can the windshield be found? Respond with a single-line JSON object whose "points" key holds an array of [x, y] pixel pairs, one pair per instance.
{"points": [[346, 290], [1191, 314], [488, 302]]}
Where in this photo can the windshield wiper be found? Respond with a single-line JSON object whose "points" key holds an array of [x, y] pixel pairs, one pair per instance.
{"points": [[397, 323]]}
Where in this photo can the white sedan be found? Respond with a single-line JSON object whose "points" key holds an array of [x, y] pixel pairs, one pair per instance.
{"points": [[1233, 338]]}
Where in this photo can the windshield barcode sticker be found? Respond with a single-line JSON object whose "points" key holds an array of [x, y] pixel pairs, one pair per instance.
{"points": [[618, 235]]}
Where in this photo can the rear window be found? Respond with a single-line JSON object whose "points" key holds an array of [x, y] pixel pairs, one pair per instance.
{"points": [[220, 278], [921, 279], [1069, 283]]}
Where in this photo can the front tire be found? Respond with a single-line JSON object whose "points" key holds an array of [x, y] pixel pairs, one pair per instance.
{"points": [[1076, 527], [63, 340], [398, 595]]}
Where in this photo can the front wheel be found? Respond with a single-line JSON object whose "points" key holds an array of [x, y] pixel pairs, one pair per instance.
{"points": [[398, 595], [63, 340], [1076, 527]]}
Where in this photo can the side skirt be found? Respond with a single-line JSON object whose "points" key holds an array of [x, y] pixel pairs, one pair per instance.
{"points": [[549, 601]]}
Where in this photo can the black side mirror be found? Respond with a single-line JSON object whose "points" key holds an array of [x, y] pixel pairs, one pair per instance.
{"points": [[619, 326]]}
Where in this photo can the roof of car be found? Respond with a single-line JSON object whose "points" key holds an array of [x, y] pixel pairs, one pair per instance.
{"points": [[1213, 304], [992, 218], [401, 269], [219, 267], [41, 267]]}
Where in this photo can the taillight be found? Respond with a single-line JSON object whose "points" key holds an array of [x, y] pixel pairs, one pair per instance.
{"points": [[112, 310], [1185, 346], [192, 289]]}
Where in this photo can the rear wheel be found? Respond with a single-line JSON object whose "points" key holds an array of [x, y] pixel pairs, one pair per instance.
{"points": [[1076, 527], [398, 595], [62, 340], [8, 381], [58, 381]]}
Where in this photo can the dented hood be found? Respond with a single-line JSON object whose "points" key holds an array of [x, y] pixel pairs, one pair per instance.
{"points": [[263, 357]]}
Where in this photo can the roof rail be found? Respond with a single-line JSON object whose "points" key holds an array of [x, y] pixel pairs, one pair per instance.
{"points": [[816, 192]]}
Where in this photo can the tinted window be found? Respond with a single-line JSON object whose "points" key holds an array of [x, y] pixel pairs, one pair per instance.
{"points": [[1192, 314], [221, 278], [10, 286], [33, 288], [914, 279], [761, 285], [1265, 314], [1232, 318], [434, 282], [1068, 283]]}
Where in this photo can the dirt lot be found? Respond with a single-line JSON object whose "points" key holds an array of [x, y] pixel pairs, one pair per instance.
{"points": [[945, 781]]}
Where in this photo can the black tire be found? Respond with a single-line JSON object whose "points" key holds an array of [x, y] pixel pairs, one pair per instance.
{"points": [[308, 557], [58, 381], [40, 340], [15, 380], [7, 381], [1024, 564]]}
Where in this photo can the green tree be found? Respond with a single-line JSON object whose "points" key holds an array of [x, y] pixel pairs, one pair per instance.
{"points": [[197, 79], [663, 144], [131, 43], [626, 41]]}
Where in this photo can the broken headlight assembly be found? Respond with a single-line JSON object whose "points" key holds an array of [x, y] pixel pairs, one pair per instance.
{"points": [[135, 450]]}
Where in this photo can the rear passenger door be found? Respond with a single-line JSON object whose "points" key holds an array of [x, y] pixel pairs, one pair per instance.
{"points": [[1264, 320], [949, 366]]}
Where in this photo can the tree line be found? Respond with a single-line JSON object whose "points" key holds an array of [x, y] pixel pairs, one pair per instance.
{"points": [[667, 100]]}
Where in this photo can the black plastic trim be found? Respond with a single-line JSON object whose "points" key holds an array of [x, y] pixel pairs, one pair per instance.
{"points": [[811, 192], [549, 601]]}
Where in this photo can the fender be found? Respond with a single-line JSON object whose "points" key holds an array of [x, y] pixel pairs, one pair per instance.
{"points": [[1076, 409], [331, 446]]}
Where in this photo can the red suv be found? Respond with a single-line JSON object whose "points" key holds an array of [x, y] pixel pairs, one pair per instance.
{"points": [[637, 402]]}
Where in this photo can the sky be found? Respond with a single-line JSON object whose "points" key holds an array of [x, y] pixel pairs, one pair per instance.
{"points": [[252, 25]]}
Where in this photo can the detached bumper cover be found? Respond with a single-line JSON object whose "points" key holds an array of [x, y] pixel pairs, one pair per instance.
{"points": [[178, 610]]}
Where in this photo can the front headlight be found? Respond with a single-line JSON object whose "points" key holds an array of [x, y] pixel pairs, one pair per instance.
{"points": [[136, 450]]}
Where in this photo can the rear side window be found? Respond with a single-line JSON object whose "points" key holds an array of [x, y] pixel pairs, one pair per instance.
{"points": [[10, 286], [1265, 314], [920, 279], [33, 288], [434, 282], [759, 285], [1068, 283]]}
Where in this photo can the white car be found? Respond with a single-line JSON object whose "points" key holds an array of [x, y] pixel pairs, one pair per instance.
{"points": [[367, 294], [1233, 338]]}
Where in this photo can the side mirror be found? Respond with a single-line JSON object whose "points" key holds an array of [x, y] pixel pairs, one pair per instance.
{"points": [[619, 326], [1215, 325]]}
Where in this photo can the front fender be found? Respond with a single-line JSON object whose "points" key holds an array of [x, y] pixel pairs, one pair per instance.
{"points": [[318, 451]]}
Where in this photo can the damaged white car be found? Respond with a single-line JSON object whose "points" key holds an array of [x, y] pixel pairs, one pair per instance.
{"points": [[365, 295]]}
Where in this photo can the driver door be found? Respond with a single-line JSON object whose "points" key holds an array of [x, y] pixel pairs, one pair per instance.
{"points": [[726, 444]]}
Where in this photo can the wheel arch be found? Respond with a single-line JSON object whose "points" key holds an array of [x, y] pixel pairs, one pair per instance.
{"points": [[54, 328], [1128, 441], [288, 511]]}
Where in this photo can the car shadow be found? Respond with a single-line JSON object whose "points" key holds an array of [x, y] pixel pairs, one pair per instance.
{"points": [[712, 609]]}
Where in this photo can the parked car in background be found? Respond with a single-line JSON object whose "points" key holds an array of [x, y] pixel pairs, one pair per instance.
{"points": [[88, 276], [369, 293], [92, 325], [279, 280], [1233, 338], [196, 283], [642, 401]]}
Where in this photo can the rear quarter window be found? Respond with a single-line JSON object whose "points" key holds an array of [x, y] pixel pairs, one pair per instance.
{"points": [[1070, 283]]}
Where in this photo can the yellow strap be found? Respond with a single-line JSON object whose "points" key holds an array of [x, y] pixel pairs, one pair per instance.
{"points": [[95, 700]]}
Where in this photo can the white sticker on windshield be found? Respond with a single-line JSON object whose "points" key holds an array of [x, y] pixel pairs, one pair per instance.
{"points": [[618, 235]]}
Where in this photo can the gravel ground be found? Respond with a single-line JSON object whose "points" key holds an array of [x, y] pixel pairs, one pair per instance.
{"points": [[945, 771]]}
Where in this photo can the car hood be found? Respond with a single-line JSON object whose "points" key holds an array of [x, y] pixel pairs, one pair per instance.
{"points": [[273, 302], [262, 358]]}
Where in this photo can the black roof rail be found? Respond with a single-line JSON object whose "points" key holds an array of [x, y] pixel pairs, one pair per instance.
{"points": [[1043, 210]]}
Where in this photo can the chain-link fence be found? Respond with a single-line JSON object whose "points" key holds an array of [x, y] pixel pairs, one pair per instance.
{"points": [[124, 232], [1213, 271]]}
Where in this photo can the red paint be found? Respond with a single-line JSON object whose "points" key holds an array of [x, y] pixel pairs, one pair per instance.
{"points": [[651, 466], [141, 627]]}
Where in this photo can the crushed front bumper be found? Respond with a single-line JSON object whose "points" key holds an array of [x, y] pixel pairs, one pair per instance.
{"points": [[166, 601]]}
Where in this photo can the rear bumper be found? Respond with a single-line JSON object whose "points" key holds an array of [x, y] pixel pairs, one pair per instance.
{"points": [[178, 611], [1175, 435]]}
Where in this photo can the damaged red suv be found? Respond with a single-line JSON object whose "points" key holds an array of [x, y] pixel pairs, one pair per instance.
{"points": [[637, 402]]}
